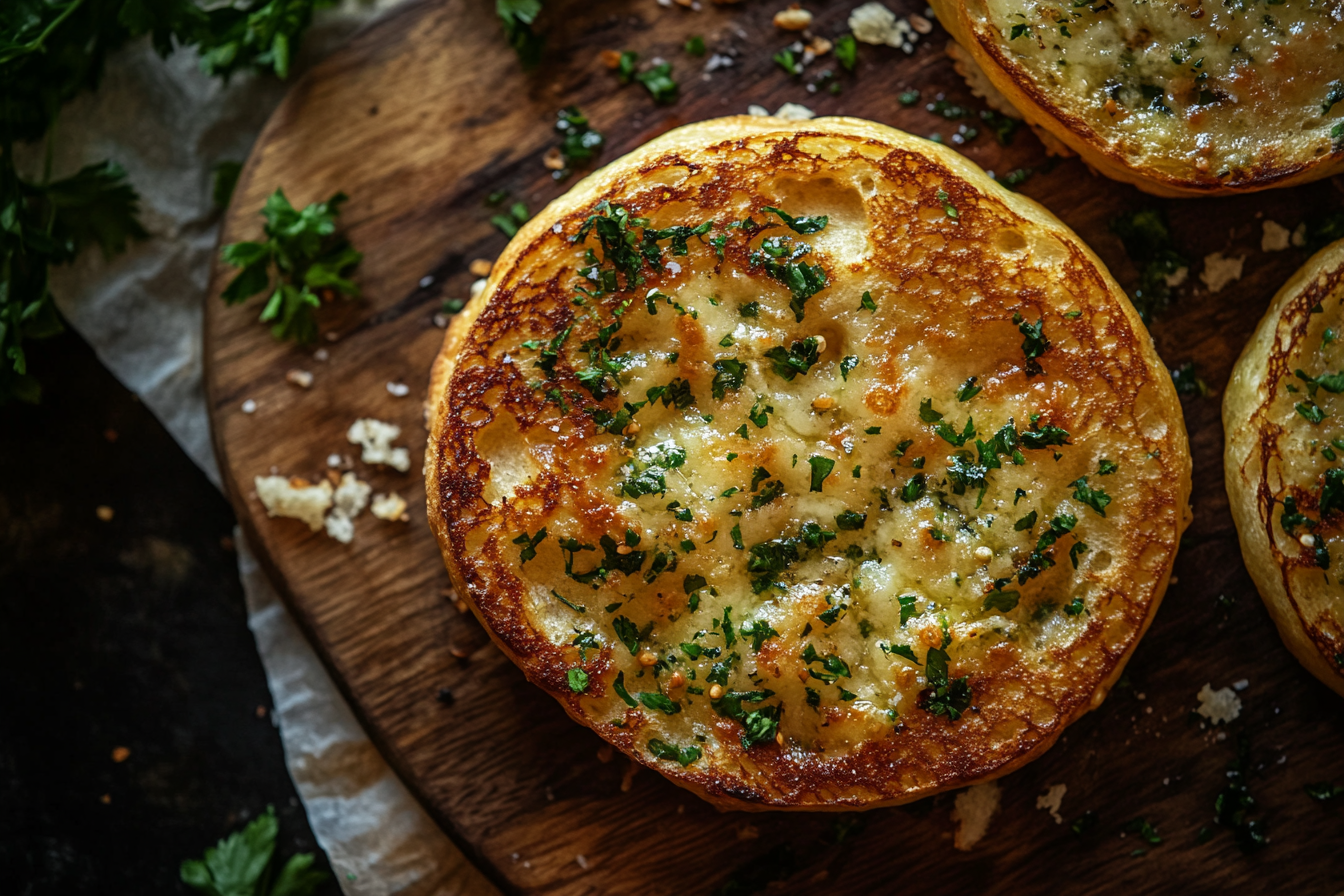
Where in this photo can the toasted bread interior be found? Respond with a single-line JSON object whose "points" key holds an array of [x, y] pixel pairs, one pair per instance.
{"points": [[1285, 462], [1174, 96], [807, 465]]}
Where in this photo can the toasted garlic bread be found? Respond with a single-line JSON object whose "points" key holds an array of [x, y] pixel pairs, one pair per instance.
{"points": [[1284, 462], [1178, 97], [807, 465]]}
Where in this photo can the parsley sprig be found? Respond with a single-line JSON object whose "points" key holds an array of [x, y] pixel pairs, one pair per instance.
{"points": [[242, 865], [302, 261]]}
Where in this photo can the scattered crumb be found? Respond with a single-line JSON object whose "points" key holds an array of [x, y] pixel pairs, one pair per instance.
{"points": [[481, 267], [1300, 235], [389, 507], [973, 809], [1241, 684], [794, 112], [321, 355], [581, 861], [120, 754], [873, 23], [348, 501], [376, 437], [757, 111], [717, 61], [294, 498], [104, 513], [248, 407], [398, 390], [1177, 277], [333, 460], [441, 320], [1051, 799], [1218, 706], [301, 378], [793, 19], [1219, 271], [1275, 237]]}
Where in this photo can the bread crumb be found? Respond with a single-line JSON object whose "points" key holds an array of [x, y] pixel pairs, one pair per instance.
{"points": [[1219, 271], [375, 438], [294, 498], [794, 112], [1222, 705], [873, 23], [793, 19], [398, 390], [1051, 799], [758, 111], [348, 501], [104, 513], [1177, 277], [301, 378], [1275, 237], [481, 267], [973, 809], [1300, 235], [120, 754], [389, 507]]}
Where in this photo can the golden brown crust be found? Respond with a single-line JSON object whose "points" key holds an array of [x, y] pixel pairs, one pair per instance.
{"points": [[504, 460], [1274, 452], [1276, 160]]}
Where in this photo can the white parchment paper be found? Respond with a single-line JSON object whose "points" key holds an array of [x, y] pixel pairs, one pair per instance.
{"points": [[169, 125]]}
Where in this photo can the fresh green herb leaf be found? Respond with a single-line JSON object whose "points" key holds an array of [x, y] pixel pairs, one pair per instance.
{"points": [[821, 468], [578, 680], [683, 756], [241, 865], [846, 50]]}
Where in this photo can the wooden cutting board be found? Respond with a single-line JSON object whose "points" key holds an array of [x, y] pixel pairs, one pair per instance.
{"points": [[424, 115]]}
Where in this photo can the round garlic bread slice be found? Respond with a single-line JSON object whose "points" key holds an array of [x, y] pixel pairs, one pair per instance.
{"points": [[1283, 416], [807, 465], [1178, 98]]}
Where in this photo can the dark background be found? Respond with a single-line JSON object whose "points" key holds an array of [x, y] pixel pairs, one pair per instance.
{"points": [[129, 633]]}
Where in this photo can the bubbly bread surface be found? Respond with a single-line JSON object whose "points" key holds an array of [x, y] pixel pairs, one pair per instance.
{"points": [[807, 465], [1284, 462], [1178, 97]]}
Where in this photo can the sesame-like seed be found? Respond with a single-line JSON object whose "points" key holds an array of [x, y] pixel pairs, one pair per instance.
{"points": [[821, 344], [647, 658], [481, 267], [984, 554], [823, 403]]}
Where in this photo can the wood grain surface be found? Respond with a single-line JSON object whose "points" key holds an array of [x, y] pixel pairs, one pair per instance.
{"points": [[420, 118]]}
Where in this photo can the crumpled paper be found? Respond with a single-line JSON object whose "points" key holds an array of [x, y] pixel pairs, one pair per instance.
{"points": [[169, 125]]}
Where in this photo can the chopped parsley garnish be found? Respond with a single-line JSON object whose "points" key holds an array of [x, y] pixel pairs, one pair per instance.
{"points": [[772, 490], [660, 702], [914, 489], [927, 413], [948, 208], [1035, 344], [1092, 497], [759, 413], [529, 544], [1025, 523], [759, 726], [798, 358], [750, 309], [694, 46], [850, 520], [832, 667], [944, 696], [619, 687], [1324, 791], [847, 364], [907, 602], [580, 142], [627, 632], [802, 279], [758, 631], [821, 468], [1107, 467], [846, 50], [873, 431], [901, 650], [1075, 606], [1003, 601], [731, 374], [968, 390], [1234, 803], [803, 224], [567, 602], [683, 756], [1332, 491], [1148, 242], [578, 680], [1187, 380], [659, 83], [866, 303], [769, 558]]}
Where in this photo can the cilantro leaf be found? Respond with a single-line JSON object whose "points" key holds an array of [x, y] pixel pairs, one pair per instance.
{"points": [[517, 18], [683, 756]]}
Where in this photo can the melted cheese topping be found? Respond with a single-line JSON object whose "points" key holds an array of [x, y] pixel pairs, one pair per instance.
{"points": [[790, 527], [1230, 90]]}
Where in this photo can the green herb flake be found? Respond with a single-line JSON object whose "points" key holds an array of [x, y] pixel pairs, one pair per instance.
{"points": [[821, 468]]}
